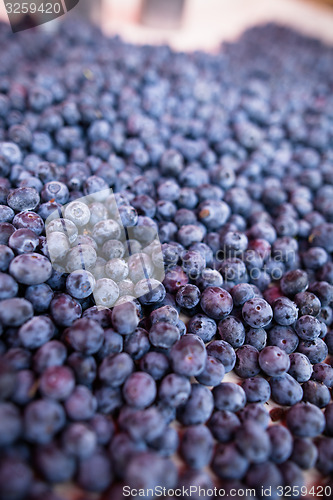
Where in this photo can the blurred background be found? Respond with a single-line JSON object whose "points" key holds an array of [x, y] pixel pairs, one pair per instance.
{"points": [[199, 24]]}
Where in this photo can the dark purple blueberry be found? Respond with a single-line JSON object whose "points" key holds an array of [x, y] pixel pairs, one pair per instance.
{"points": [[247, 364], [257, 337], [36, 332], [305, 420], [114, 369], [253, 443], [15, 311], [281, 443], [188, 355], [283, 337], [136, 344], [57, 382], [223, 425], [8, 286], [300, 367], [273, 361], [43, 418], [16, 478], [257, 390], [228, 462], [197, 446], [65, 310], [293, 282], [308, 328], [285, 390], [174, 390], [257, 313], [229, 396], [304, 453], [198, 408], [95, 472], [84, 367], [125, 318], [216, 302], [231, 330], [30, 269], [52, 353], [256, 412], [10, 424], [223, 352], [6, 256], [316, 393], [213, 372], [285, 311], [85, 335]]}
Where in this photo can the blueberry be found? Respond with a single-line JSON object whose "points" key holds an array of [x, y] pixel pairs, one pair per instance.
{"points": [[228, 462], [15, 311], [114, 370], [256, 412], [6, 256], [198, 408], [263, 476], [197, 446], [36, 332], [216, 302], [257, 337], [307, 327], [300, 367], [316, 393], [286, 390], [305, 420], [8, 287], [253, 443], [84, 368], [257, 313], [294, 282], [281, 443], [283, 337], [125, 318], [95, 472], [43, 418], [188, 296], [285, 311], [247, 364], [304, 453], [324, 462], [203, 326], [213, 372], [257, 390], [57, 382], [155, 363], [223, 425], [241, 293], [229, 396], [162, 472], [323, 372], [52, 353], [137, 343], [10, 424], [273, 361], [81, 404], [188, 355], [16, 478], [232, 331], [223, 352], [30, 269], [316, 350], [85, 335], [163, 334], [23, 198], [54, 464]]}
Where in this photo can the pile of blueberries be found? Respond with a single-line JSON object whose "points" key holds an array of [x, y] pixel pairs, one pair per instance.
{"points": [[229, 159]]}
